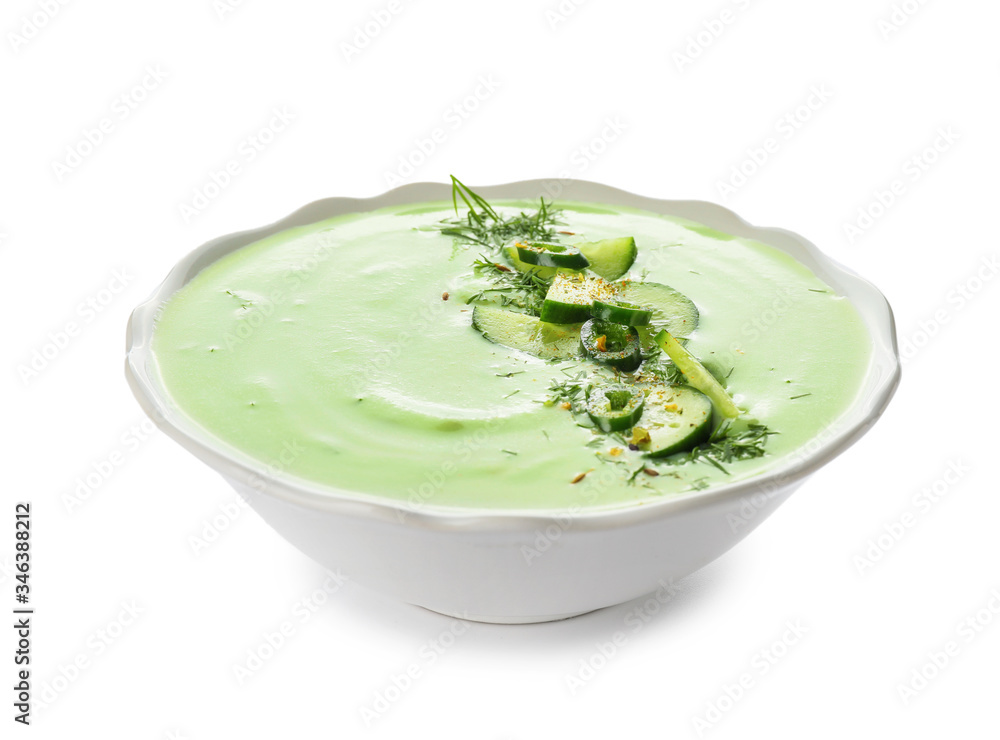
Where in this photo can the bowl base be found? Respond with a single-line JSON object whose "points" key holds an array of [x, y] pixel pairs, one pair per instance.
{"points": [[508, 620]]}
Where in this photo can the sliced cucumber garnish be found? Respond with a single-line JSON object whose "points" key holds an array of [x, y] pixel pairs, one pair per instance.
{"points": [[615, 407], [621, 312], [527, 333], [510, 252], [675, 419], [544, 254], [614, 345], [570, 297], [697, 375], [610, 258], [672, 310]]}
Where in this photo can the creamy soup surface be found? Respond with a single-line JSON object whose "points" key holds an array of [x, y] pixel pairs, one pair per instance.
{"points": [[328, 353]]}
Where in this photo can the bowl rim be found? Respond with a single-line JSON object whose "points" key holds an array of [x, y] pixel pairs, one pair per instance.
{"points": [[883, 372]]}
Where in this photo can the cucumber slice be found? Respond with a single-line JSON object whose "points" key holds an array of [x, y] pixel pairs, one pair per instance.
{"points": [[610, 258], [697, 375], [621, 312], [675, 419], [615, 407], [570, 297], [527, 333], [510, 252], [544, 254], [614, 345], [672, 310]]}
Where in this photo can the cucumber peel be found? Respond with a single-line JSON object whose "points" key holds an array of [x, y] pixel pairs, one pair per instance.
{"points": [[621, 312], [697, 375], [544, 254], [571, 296], [510, 252], [675, 419], [614, 345], [615, 407]]}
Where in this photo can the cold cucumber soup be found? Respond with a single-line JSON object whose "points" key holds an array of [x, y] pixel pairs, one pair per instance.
{"points": [[511, 355]]}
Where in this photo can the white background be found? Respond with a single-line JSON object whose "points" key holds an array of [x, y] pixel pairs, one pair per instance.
{"points": [[104, 223]]}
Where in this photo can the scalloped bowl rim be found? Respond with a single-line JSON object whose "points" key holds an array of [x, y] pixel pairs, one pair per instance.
{"points": [[237, 465]]}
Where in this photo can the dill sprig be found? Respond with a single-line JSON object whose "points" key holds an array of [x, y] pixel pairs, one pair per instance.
{"points": [[573, 390], [665, 371], [726, 446], [635, 474], [483, 226], [525, 290]]}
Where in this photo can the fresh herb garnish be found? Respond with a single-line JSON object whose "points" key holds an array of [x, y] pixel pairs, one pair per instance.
{"points": [[800, 396], [620, 438], [665, 371], [635, 474], [525, 290], [572, 391], [484, 226], [726, 446]]}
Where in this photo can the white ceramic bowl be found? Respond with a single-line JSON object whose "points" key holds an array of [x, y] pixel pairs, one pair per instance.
{"points": [[475, 563]]}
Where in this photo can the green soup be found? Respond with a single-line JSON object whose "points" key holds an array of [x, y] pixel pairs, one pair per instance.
{"points": [[329, 354]]}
